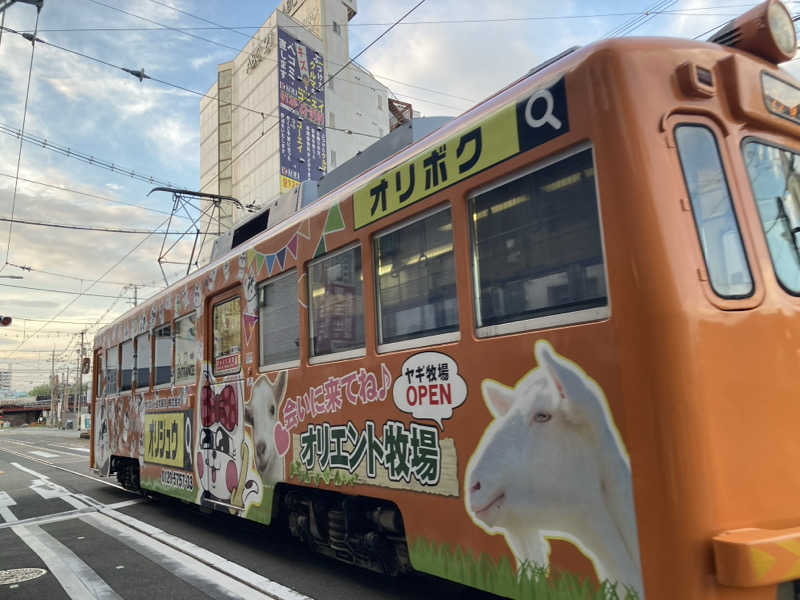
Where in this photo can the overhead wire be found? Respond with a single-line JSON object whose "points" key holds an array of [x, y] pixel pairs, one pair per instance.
{"points": [[251, 37], [111, 268], [89, 227], [151, 284], [22, 131], [54, 291], [82, 156], [62, 188]]}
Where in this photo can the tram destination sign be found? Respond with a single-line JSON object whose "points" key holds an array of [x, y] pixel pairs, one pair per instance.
{"points": [[538, 118]]}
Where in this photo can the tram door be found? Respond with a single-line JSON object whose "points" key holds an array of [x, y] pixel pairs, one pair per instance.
{"points": [[222, 455]]}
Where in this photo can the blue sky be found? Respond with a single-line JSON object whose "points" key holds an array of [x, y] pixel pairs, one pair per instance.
{"points": [[153, 129]]}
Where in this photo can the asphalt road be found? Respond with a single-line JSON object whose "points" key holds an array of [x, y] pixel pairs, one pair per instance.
{"points": [[65, 533]]}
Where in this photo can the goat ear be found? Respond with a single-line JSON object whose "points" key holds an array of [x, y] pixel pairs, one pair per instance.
{"points": [[498, 397], [279, 386], [547, 360]]}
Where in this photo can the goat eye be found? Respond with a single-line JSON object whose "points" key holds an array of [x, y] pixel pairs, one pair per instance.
{"points": [[272, 410], [542, 417]]}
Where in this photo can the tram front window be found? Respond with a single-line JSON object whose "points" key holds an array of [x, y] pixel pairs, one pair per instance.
{"points": [[775, 177]]}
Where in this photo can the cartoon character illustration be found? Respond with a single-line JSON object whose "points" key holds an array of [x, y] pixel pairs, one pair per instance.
{"points": [[101, 441], [177, 303], [552, 463], [185, 298], [251, 293], [223, 456], [212, 277], [242, 262], [161, 310], [226, 271], [261, 414]]}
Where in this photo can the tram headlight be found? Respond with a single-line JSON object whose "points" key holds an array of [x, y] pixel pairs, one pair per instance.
{"points": [[782, 28], [766, 31]]}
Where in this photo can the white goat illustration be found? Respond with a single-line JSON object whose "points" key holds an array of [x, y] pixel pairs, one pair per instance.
{"points": [[552, 463], [261, 413]]}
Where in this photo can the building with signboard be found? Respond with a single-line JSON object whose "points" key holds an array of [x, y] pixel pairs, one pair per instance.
{"points": [[5, 381], [274, 118]]}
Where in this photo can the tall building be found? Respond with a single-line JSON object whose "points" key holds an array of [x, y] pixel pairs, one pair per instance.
{"points": [[5, 381], [272, 121]]}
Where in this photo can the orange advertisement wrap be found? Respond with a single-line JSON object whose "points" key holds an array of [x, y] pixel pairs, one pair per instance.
{"points": [[543, 352]]}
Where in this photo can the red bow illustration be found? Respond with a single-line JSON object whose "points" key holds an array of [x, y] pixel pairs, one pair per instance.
{"points": [[220, 408]]}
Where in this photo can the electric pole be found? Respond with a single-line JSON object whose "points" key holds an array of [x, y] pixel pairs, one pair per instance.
{"points": [[52, 388], [80, 384]]}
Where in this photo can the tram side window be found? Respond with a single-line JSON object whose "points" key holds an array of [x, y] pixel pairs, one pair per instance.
{"points": [[228, 337], [337, 302], [417, 279], [143, 357], [537, 249], [162, 363], [279, 320], [716, 223], [112, 364], [127, 366], [186, 349]]}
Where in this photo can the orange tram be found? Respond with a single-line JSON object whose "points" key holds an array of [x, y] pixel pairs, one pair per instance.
{"points": [[550, 350]]}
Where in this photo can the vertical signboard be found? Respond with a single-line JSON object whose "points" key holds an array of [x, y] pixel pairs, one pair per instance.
{"points": [[301, 74]]}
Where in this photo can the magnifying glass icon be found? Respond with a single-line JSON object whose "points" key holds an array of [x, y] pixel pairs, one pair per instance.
{"points": [[548, 116]]}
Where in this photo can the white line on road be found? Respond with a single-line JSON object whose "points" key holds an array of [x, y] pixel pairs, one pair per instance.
{"points": [[209, 572], [77, 578], [45, 454]]}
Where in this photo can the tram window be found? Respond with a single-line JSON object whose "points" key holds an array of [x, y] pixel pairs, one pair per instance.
{"points": [[417, 279], [186, 349], [227, 337], [127, 366], [716, 222], [775, 177], [538, 250], [112, 364], [337, 303], [143, 359], [279, 320], [163, 355]]}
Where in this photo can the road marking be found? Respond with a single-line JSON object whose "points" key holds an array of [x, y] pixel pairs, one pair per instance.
{"points": [[204, 570], [63, 516], [75, 448], [77, 578], [45, 454], [5, 502], [60, 468]]}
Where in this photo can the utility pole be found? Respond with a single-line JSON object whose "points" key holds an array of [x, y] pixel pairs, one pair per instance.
{"points": [[80, 384], [52, 389]]}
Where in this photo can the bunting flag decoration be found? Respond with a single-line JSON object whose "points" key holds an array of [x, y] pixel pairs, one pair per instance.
{"points": [[279, 257], [335, 221], [305, 229], [249, 325], [292, 246], [321, 248]]}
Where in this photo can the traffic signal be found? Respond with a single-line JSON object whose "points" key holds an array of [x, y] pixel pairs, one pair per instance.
{"points": [[5, 320]]}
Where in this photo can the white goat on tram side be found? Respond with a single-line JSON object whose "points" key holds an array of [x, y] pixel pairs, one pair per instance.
{"points": [[261, 413], [552, 464]]}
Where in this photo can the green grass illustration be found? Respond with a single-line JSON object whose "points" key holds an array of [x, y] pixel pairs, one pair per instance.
{"points": [[531, 582], [335, 477]]}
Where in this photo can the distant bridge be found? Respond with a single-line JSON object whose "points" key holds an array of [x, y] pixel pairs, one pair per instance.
{"points": [[18, 412]]}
